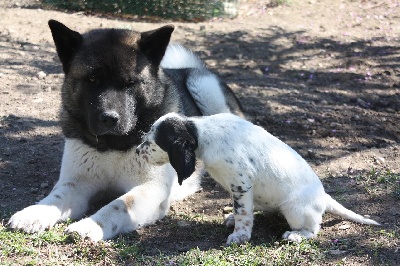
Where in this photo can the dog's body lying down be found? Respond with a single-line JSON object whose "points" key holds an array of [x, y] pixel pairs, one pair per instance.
{"points": [[258, 169]]}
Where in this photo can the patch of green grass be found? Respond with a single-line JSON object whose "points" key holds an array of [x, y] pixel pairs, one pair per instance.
{"points": [[388, 234], [48, 248], [19, 243], [274, 3], [21, 248], [381, 179], [248, 254], [127, 248], [14, 243]]}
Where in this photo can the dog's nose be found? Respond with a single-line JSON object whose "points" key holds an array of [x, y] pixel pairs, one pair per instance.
{"points": [[137, 151], [109, 119]]}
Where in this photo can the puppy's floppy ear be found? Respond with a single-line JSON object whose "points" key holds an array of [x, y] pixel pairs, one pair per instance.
{"points": [[67, 42], [154, 43], [182, 158]]}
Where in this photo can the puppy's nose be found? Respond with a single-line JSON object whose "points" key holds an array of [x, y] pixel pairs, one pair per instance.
{"points": [[109, 119]]}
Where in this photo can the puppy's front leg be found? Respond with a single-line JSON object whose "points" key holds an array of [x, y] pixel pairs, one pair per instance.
{"points": [[242, 197], [140, 206]]}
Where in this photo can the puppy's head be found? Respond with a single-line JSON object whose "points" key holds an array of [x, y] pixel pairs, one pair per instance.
{"points": [[172, 139]]}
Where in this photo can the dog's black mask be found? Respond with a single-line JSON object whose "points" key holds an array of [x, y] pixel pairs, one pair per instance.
{"points": [[113, 90]]}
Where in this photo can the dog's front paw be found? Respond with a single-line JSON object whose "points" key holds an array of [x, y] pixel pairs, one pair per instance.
{"points": [[238, 238], [86, 228], [35, 218]]}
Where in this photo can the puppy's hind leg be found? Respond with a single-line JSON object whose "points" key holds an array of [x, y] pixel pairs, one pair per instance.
{"points": [[304, 220]]}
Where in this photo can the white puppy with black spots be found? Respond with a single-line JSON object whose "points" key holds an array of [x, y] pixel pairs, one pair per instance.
{"points": [[260, 171]]}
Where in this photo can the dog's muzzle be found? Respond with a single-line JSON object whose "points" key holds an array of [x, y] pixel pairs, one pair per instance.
{"points": [[109, 119]]}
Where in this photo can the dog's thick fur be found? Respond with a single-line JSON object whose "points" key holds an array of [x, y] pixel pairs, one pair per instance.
{"points": [[117, 83], [258, 170]]}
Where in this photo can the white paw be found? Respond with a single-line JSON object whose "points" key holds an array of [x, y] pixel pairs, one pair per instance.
{"points": [[35, 218], [238, 238], [86, 228], [229, 221], [293, 236]]}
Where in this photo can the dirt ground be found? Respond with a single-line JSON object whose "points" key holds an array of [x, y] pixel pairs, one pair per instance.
{"points": [[324, 76]]}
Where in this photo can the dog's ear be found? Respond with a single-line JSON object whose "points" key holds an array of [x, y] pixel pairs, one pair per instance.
{"points": [[67, 42], [182, 158], [154, 43]]}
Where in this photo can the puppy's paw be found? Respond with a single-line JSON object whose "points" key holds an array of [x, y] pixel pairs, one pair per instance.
{"points": [[238, 238], [35, 218], [293, 236], [229, 221], [86, 228]]}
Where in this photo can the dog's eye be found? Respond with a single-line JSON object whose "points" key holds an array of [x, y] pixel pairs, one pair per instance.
{"points": [[132, 82], [92, 79]]}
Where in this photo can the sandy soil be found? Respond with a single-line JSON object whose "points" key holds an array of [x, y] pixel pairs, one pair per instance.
{"points": [[324, 76]]}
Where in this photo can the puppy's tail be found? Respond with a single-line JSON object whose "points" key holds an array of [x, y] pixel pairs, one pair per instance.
{"points": [[335, 207]]}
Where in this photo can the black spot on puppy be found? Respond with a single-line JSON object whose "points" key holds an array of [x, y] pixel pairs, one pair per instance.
{"points": [[236, 206]]}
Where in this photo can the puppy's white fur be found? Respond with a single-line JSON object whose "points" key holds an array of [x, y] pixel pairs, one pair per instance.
{"points": [[258, 169]]}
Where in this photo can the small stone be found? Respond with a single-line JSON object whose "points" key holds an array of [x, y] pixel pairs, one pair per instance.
{"points": [[337, 252], [183, 223], [228, 209], [40, 197], [38, 100], [344, 227], [380, 160], [44, 185], [258, 72], [363, 103], [311, 154], [41, 75], [334, 124]]}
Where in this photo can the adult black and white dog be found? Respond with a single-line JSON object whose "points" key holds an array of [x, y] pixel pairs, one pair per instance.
{"points": [[117, 83], [258, 169]]}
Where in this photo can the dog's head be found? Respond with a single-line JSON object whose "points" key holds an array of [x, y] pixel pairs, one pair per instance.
{"points": [[112, 80], [172, 139]]}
